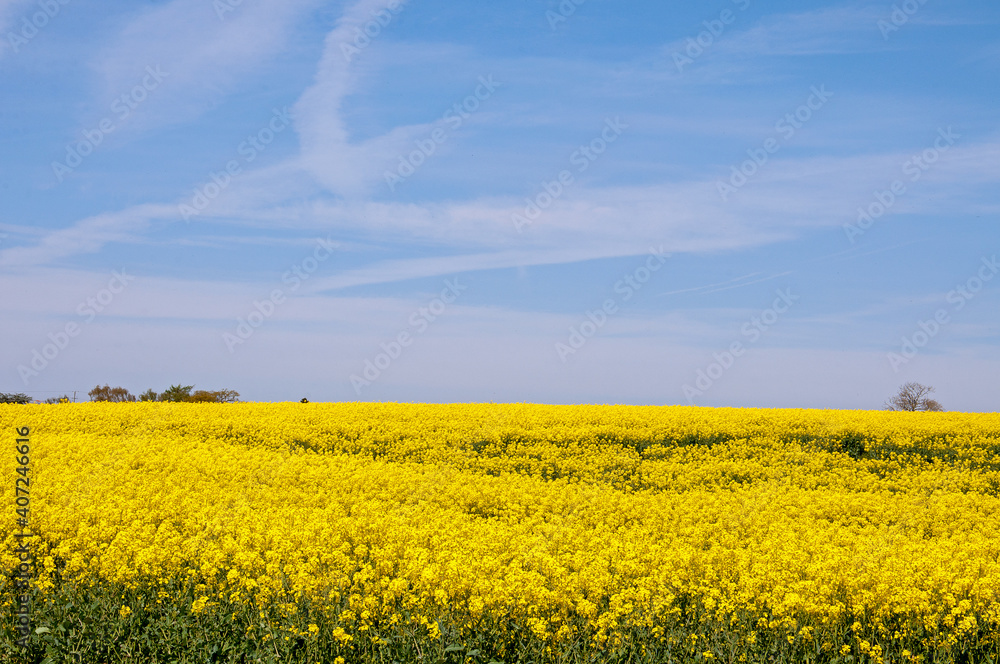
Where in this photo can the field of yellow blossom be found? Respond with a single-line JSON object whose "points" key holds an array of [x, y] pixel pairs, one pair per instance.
{"points": [[342, 533]]}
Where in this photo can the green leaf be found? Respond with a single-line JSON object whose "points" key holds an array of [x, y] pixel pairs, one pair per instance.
{"points": [[453, 647], [42, 630]]}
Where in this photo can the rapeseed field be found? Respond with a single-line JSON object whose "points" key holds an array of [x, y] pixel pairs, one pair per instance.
{"points": [[340, 533]]}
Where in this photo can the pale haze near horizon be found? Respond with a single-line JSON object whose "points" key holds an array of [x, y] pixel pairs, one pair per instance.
{"points": [[726, 204]]}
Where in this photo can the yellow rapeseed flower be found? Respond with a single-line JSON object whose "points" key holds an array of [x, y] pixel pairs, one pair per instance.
{"points": [[575, 524]]}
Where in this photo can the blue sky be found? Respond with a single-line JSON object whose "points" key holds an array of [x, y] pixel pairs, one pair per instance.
{"points": [[576, 202]]}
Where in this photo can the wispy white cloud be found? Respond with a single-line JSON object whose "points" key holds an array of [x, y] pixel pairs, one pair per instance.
{"points": [[788, 197], [738, 53], [87, 236], [825, 31], [344, 166], [205, 56]]}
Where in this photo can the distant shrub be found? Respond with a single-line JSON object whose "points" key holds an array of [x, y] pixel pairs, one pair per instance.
{"points": [[149, 395]]}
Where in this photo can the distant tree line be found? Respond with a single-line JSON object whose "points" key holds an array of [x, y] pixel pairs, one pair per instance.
{"points": [[24, 398], [911, 397], [174, 393]]}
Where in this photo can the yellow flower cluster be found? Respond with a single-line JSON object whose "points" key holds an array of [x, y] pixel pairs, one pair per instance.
{"points": [[825, 530]]}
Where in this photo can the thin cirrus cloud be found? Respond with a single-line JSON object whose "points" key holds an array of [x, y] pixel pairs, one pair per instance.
{"points": [[827, 31], [738, 50], [786, 198], [344, 167], [788, 195], [87, 236], [206, 54]]}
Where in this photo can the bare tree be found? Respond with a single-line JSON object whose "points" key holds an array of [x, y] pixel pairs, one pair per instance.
{"points": [[913, 397]]}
